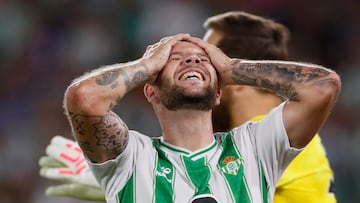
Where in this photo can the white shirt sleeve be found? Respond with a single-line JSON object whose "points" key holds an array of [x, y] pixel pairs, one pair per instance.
{"points": [[272, 144], [266, 141], [112, 175]]}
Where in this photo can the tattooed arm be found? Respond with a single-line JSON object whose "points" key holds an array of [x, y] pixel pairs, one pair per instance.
{"points": [[100, 133], [89, 101], [311, 90]]}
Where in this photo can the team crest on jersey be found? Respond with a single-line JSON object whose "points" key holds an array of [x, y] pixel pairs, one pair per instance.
{"points": [[232, 165]]}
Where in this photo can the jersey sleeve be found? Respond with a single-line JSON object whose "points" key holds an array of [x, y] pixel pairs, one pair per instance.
{"points": [[271, 144], [112, 175]]}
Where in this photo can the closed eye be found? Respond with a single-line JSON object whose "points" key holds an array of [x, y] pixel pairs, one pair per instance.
{"points": [[175, 57], [205, 59]]}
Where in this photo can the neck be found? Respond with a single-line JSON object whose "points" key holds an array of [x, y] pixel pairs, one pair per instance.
{"points": [[188, 129]]}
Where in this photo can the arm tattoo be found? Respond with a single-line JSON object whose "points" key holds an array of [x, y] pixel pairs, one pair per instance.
{"points": [[112, 133], [86, 148], [279, 77], [134, 78], [77, 124], [106, 135], [108, 77], [109, 132], [133, 75]]}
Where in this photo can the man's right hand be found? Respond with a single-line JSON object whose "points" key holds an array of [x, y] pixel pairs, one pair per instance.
{"points": [[157, 55]]}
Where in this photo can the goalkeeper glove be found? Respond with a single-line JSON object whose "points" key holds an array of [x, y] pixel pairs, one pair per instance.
{"points": [[65, 162]]}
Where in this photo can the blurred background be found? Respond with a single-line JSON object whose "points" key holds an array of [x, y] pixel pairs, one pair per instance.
{"points": [[44, 44]]}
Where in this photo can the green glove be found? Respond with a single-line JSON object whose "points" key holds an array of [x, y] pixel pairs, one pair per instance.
{"points": [[66, 163]]}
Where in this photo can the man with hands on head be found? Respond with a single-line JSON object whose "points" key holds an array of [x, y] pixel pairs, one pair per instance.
{"points": [[183, 77]]}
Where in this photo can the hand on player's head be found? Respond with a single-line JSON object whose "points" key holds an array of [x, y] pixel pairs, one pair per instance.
{"points": [[220, 61], [157, 55]]}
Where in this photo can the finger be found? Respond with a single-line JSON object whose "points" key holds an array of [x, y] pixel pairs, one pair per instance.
{"points": [[66, 174], [65, 151], [171, 41], [197, 41], [194, 39], [60, 174], [77, 191], [148, 48], [64, 155], [180, 37], [50, 162], [65, 143], [60, 140], [154, 46], [164, 39], [204, 45]]}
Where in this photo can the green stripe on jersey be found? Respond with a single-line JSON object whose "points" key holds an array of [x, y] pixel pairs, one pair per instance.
{"points": [[164, 174], [199, 173], [264, 185], [127, 194], [231, 166]]}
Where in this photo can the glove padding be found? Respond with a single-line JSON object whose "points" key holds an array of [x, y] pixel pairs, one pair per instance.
{"points": [[65, 162]]}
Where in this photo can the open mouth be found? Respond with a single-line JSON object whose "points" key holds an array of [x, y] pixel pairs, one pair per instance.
{"points": [[192, 76]]}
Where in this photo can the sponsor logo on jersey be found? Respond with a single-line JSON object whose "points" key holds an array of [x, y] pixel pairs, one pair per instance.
{"points": [[163, 173]]}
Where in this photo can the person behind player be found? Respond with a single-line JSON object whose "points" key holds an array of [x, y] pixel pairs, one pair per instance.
{"points": [[243, 35], [183, 76]]}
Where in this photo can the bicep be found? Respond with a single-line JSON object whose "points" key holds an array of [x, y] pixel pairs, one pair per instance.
{"points": [[101, 138]]}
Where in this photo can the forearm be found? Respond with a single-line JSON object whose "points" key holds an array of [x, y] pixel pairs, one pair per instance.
{"points": [[100, 90], [311, 90], [101, 134], [285, 78]]}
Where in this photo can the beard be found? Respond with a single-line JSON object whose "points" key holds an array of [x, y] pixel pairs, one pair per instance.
{"points": [[177, 98]]}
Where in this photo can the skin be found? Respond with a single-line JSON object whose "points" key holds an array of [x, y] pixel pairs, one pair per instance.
{"points": [[102, 135]]}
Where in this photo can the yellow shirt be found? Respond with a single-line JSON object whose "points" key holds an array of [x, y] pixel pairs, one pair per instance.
{"points": [[308, 177]]}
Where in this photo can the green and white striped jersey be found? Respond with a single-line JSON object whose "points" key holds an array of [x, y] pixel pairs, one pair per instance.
{"points": [[242, 165]]}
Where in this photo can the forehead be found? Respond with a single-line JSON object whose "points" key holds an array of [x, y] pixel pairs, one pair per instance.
{"points": [[187, 47]]}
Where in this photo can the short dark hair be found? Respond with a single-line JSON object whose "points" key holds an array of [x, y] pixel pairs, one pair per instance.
{"points": [[257, 38]]}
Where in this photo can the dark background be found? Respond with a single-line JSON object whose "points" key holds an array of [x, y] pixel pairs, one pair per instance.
{"points": [[44, 44]]}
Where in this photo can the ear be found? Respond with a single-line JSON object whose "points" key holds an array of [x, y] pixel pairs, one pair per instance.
{"points": [[149, 92], [218, 96]]}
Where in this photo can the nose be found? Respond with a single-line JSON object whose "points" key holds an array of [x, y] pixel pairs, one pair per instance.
{"points": [[192, 59]]}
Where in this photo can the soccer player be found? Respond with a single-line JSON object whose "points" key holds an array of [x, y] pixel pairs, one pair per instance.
{"points": [[183, 77], [267, 53], [239, 34]]}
